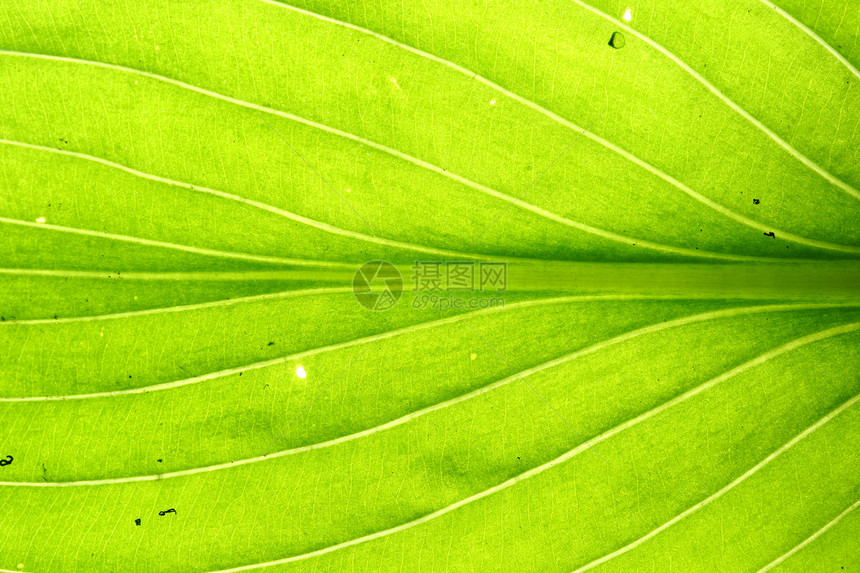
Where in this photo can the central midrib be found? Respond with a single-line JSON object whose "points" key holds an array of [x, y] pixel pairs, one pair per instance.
{"points": [[802, 280]]}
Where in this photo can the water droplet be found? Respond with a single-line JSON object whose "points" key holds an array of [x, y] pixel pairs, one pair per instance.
{"points": [[300, 371], [617, 40]]}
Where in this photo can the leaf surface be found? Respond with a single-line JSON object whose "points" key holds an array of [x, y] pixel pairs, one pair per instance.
{"points": [[667, 381]]}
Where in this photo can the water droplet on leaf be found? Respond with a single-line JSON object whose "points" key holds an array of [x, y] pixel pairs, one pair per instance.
{"points": [[617, 40]]}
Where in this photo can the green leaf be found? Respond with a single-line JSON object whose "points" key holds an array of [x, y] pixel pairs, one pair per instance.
{"points": [[200, 372]]}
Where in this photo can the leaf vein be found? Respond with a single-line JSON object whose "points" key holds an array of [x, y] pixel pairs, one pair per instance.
{"points": [[809, 163], [713, 497], [809, 539], [589, 444], [726, 313], [833, 51], [463, 180]]}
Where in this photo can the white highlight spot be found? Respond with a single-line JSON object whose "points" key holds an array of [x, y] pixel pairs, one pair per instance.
{"points": [[20, 565], [492, 102], [628, 15], [394, 81], [300, 371], [349, 190], [40, 220]]}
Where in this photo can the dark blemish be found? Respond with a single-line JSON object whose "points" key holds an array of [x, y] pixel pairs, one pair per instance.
{"points": [[137, 521], [64, 141], [44, 472], [159, 461], [2, 319], [617, 40], [270, 344], [129, 375], [165, 512], [756, 201], [6, 462], [55, 317], [770, 235]]}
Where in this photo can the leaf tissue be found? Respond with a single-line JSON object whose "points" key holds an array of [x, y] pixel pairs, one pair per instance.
{"points": [[383, 286]]}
